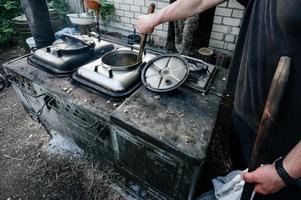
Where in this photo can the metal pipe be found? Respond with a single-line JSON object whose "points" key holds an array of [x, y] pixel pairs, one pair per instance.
{"points": [[36, 12]]}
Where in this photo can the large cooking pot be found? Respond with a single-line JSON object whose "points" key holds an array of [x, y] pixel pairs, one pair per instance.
{"points": [[121, 60]]}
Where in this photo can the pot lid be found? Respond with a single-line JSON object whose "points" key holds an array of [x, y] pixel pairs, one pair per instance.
{"points": [[165, 73]]}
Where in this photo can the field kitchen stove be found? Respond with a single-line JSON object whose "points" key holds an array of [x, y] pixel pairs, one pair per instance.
{"points": [[158, 141]]}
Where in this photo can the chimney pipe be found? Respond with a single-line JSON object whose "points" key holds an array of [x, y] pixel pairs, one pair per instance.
{"points": [[38, 18]]}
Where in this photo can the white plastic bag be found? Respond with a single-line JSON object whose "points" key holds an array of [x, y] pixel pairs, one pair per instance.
{"points": [[229, 187], [226, 188]]}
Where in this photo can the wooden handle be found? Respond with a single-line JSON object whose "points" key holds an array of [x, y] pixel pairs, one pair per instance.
{"points": [[151, 9], [270, 112]]}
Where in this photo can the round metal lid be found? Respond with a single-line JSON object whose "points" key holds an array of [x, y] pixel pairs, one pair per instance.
{"points": [[165, 73]]}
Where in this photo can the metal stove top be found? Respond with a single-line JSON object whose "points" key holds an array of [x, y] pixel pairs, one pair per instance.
{"points": [[122, 84], [65, 55], [118, 84]]}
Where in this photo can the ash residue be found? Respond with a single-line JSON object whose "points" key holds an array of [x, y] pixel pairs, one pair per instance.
{"points": [[62, 146]]}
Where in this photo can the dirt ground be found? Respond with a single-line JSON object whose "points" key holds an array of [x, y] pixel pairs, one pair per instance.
{"points": [[28, 171]]}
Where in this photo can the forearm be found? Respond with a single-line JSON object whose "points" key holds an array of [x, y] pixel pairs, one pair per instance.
{"points": [[183, 9], [292, 162]]}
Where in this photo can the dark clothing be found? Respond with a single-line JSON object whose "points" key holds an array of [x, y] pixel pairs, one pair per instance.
{"points": [[246, 137], [270, 29], [243, 2]]}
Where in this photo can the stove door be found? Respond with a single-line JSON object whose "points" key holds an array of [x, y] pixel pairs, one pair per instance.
{"points": [[147, 164]]}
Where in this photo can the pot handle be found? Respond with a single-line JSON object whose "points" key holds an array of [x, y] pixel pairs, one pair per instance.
{"points": [[106, 68]]}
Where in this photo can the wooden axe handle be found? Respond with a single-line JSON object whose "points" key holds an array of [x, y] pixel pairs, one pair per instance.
{"points": [[270, 112], [151, 9]]}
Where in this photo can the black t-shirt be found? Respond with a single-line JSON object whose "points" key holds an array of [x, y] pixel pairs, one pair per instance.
{"points": [[270, 29]]}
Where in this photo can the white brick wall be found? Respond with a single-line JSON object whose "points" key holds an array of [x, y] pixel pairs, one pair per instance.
{"points": [[128, 10], [225, 29], [226, 26]]}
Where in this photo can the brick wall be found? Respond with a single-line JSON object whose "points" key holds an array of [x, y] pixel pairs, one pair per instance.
{"points": [[224, 32], [128, 10], [227, 21]]}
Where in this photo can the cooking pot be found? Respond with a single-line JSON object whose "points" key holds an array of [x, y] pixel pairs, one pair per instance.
{"points": [[121, 60]]}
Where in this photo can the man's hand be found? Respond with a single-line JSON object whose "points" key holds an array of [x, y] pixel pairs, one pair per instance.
{"points": [[266, 180], [178, 10], [146, 23]]}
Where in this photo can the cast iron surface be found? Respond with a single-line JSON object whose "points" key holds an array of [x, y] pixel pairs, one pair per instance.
{"points": [[182, 120]]}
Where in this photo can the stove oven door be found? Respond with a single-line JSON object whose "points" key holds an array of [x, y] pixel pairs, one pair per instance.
{"points": [[88, 130], [154, 168]]}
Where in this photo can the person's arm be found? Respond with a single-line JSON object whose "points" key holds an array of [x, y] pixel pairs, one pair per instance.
{"points": [[267, 179], [175, 11]]}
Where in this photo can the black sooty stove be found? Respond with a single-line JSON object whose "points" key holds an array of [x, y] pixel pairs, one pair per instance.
{"points": [[157, 140]]}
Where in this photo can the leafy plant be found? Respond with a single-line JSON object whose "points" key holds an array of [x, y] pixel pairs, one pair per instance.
{"points": [[6, 33], [107, 11], [8, 10]]}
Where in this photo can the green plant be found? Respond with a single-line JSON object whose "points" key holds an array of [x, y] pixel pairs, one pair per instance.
{"points": [[8, 10], [59, 5], [6, 33], [107, 11]]}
